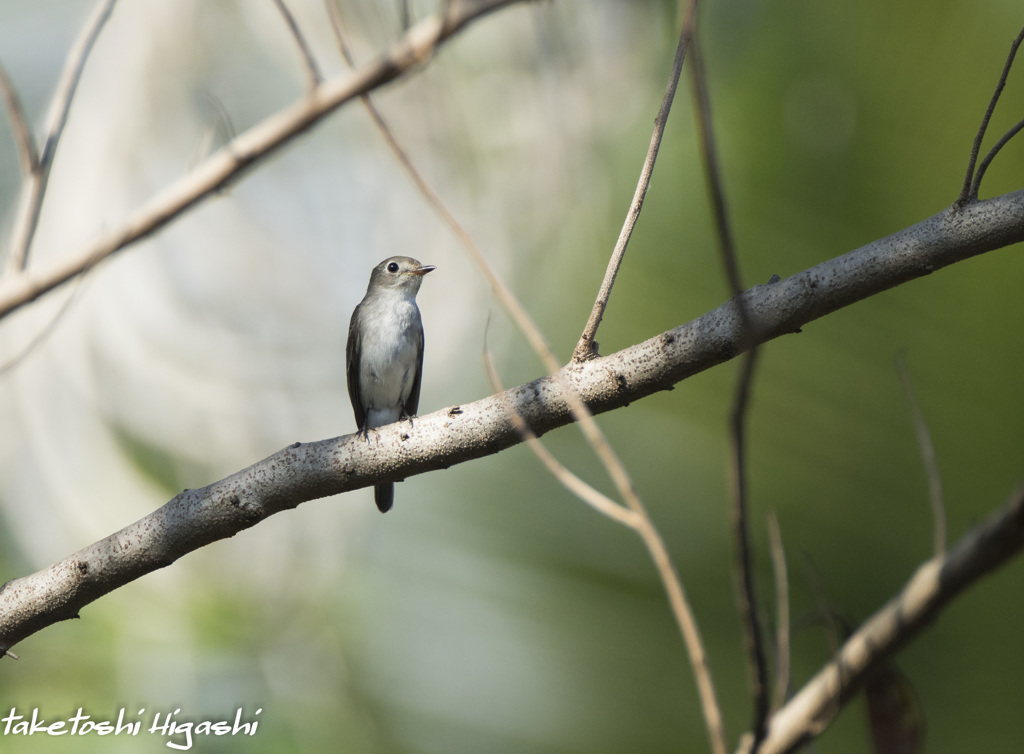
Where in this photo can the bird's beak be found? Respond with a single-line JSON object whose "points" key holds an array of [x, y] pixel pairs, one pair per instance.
{"points": [[423, 270]]}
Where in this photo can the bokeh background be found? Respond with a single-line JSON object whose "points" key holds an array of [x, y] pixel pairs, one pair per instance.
{"points": [[491, 611]]}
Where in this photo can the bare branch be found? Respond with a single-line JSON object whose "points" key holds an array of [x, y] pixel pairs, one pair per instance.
{"points": [[461, 433], [245, 150], [26, 145], [934, 585], [781, 575], [312, 69], [969, 192], [931, 464], [587, 346], [35, 186]]}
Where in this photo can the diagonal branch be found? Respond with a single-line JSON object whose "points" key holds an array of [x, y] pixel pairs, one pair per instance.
{"points": [[27, 157], [586, 348], [35, 188], [247, 149], [458, 434], [935, 583]]}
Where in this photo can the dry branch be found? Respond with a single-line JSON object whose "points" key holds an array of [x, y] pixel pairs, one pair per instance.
{"points": [[246, 149], [454, 435]]}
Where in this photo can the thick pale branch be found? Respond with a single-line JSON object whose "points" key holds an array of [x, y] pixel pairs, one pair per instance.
{"points": [[454, 435], [934, 585], [247, 148]]}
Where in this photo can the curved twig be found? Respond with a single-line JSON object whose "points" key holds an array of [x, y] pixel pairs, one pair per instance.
{"points": [[983, 167], [312, 69], [969, 192], [931, 464]]}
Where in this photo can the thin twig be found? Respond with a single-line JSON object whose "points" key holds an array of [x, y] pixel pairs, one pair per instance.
{"points": [[931, 464], [746, 595], [587, 346], [585, 492], [593, 434], [312, 69], [46, 331], [782, 632], [35, 188], [23, 141], [983, 167], [404, 14], [221, 121], [969, 192], [757, 663]]}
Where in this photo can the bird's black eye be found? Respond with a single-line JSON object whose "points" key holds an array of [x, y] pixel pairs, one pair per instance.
{"points": [[392, 266]]}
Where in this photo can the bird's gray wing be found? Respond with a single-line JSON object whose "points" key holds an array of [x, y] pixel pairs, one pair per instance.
{"points": [[413, 401], [352, 357]]}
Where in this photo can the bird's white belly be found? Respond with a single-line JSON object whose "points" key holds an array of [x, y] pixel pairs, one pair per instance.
{"points": [[387, 370]]}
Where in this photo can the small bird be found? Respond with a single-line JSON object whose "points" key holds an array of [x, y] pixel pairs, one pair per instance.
{"points": [[385, 352]]}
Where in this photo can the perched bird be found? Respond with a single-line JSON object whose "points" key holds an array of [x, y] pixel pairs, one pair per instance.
{"points": [[385, 352]]}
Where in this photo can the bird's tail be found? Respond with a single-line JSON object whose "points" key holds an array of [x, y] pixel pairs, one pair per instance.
{"points": [[384, 496]]}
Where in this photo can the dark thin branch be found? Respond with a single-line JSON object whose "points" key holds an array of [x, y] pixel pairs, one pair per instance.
{"points": [[746, 593], [586, 348], [931, 464], [969, 192], [983, 167], [37, 182], [309, 61]]}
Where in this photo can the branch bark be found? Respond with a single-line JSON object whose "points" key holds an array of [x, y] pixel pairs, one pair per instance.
{"points": [[457, 434]]}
